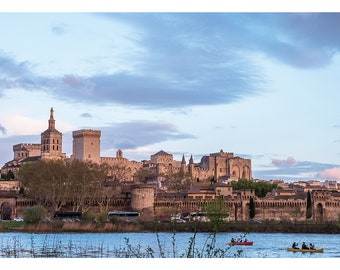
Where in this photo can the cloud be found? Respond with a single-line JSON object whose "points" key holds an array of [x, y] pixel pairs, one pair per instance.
{"points": [[144, 91], [59, 29], [3, 130], [332, 173], [189, 59], [86, 115], [300, 40], [290, 161], [134, 134], [15, 74], [292, 170]]}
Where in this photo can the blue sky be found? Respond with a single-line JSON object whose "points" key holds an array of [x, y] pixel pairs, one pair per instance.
{"points": [[263, 85]]}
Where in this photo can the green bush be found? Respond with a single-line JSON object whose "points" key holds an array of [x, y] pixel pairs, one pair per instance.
{"points": [[101, 217], [88, 216], [34, 214]]}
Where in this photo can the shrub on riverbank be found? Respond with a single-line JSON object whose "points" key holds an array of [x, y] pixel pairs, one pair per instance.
{"points": [[34, 214]]}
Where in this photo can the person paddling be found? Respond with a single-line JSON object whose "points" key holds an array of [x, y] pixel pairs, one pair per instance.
{"points": [[304, 246]]}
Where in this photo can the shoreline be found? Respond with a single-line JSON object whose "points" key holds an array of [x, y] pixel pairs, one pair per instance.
{"points": [[154, 226]]}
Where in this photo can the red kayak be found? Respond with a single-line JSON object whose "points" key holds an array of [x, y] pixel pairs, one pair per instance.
{"points": [[248, 243]]}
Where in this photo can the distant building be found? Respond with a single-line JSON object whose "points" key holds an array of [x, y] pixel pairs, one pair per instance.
{"points": [[49, 148], [221, 166], [86, 145], [52, 141]]}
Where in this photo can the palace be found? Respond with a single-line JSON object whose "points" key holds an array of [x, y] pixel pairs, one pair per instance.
{"points": [[86, 146]]}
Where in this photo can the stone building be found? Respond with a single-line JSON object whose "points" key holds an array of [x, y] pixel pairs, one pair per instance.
{"points": [[24, 150], [86, 145], [49, 148], [223, 166], [52, 141]]}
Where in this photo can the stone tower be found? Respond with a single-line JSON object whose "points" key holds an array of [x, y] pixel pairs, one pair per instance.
{"points": [[191, 166], [51, 141], [86, 145], [183, 165], [142, 197]]}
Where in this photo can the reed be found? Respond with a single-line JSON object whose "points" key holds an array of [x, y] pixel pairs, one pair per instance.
{"points": [[53, 247]]}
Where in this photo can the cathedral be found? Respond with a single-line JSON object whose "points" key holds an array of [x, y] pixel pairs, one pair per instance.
{"points": [[49, 148]]}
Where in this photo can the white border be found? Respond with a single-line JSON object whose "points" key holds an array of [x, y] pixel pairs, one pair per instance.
{"points": [[169, 6]]}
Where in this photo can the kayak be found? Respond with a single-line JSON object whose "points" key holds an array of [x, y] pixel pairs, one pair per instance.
{"points": [[319, 250], [240, 243]]}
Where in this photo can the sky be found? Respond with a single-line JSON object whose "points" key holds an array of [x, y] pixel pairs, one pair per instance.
{"points": [[261, 84]]}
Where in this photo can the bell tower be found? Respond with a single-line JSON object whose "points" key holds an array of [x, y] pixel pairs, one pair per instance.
{"points": [[51, 140]]}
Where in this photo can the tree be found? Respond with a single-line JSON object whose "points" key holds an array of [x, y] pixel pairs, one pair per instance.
{"points": [[251, 208], [261, 188], [297, 213], [46, 182], [85, 180], [142, 175], [54, 183], [309, 209], [10, 175], [217, 211], [34, 214]]}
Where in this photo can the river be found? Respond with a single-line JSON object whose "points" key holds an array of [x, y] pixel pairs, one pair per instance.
{"points": [[160, 245]]}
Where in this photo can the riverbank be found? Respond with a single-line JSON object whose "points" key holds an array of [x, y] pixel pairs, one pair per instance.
{"points": [[155, 226]]}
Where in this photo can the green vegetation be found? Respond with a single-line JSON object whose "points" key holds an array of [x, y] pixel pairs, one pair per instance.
{"points": [[261, 188], [34, 214], [8, 176], [309, 210], [217, 212], [251, 208]]}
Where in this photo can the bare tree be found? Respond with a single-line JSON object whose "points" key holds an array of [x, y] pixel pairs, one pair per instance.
{"points": [[45, 182], [85, 178], [55, 183]]}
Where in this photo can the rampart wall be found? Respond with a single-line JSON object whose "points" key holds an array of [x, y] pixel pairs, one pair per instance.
{"points": [[324, 207]]}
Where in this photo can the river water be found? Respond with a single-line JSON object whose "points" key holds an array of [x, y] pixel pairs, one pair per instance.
{"points": [[160, 245]]}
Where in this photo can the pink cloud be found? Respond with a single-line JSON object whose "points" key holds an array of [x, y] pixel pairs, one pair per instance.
{"points": [[71, 80], [290, 161], [333, 173]]}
